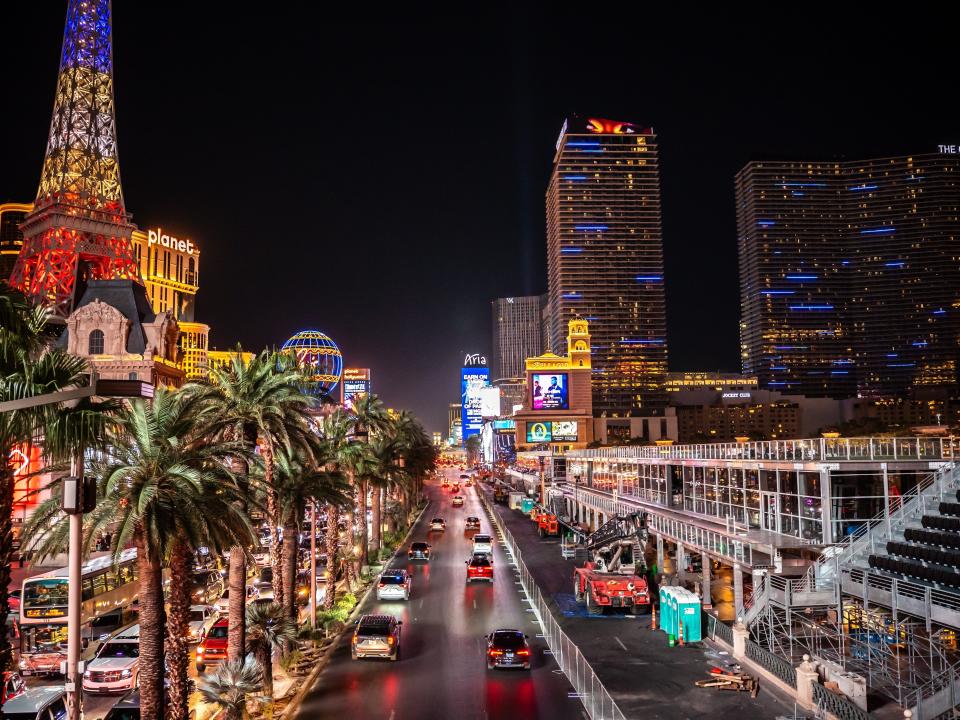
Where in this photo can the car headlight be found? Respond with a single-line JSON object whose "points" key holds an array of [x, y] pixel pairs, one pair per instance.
{"points": [[86, 674], [23, 665], [126, 673]]}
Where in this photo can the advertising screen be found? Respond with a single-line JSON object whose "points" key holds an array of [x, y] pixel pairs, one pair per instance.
{"points": [[550, 391], [472, 381], [355, 381], [490, 402], [539, 432], [565, 431]]}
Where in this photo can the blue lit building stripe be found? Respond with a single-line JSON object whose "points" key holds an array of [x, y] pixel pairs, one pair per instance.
{"points": [[590, 228], [583, 143], [879, 231], [641, 342], [571, 250], [778, 292], [574, 178], [861, 188], [803, 184], [895, 264], [649, 278], [802, 277], [766, 223], [811, 307]]}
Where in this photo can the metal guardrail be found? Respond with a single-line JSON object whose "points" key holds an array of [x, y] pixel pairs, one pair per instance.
{"points": [[832, 703], [864, 449], [717, 629], [587, 686], [773, 663], [945, 683]]}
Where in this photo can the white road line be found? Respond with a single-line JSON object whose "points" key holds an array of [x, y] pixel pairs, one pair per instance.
{"points": [[392, 713], [620, 643], [475, 606], [421, 603]]}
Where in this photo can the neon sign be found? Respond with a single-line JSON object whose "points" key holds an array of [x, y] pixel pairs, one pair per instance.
{"points": [[158, 237], [609, 127]]}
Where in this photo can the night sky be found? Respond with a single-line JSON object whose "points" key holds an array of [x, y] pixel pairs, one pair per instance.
{"points": [[384, 182]]}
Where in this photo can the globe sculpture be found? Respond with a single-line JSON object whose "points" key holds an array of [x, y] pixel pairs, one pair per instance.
{"points": [[320, 357]]}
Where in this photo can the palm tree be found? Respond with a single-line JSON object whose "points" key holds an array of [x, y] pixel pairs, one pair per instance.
{"points": [[229, 686], [256, 401], [30, 366], [371, 419], [162, 490], [385, 451], [269, 631], [298, 483]]}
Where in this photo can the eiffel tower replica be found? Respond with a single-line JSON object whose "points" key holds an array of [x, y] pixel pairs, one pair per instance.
{"points": [[79, 229]]}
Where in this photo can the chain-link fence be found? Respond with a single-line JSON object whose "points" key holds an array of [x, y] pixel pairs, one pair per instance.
{"points": [[586, 685]]}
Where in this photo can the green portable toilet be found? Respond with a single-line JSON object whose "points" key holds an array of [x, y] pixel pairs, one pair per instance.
{"points": [[688, 612], [670, 611], [526, 506], [664, 607]]}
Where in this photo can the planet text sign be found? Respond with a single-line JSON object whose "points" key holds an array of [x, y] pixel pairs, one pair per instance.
{"points": [[158, 237]]}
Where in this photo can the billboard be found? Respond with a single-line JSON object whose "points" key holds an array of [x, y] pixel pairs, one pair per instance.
{"points": [[355, 381], [472, 381], [564, 430], [539, 432], [490, 402], [550, 391]]}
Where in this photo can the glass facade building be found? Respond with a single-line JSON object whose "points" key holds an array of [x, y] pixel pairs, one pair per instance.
{"points": [[605, 258], [11, 238], [517, 334], [849, 274]]}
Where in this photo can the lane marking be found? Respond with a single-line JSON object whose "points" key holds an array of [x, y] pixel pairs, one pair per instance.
{"points": [[620, 643], [421, 604], [475, 605], [392, 713]]}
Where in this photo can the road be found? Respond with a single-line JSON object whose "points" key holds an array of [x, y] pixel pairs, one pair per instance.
{"points": [[442, 671]]}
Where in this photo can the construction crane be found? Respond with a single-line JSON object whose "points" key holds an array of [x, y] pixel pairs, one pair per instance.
{"points": [[615, 574]]}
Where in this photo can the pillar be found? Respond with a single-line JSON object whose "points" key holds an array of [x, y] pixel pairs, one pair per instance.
{"points": [[706, 599], [737, 589], [806, 677], [681, 559], [660, 553], [740, 635]]}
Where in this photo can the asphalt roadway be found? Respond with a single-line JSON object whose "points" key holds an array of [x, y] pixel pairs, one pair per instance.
{"points": [[442, 670], [646, 678]]}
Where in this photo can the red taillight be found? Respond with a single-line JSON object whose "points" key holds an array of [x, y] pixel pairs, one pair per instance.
{"points": [[523, 652], [379, 585], [390, 640], [496, 652]]}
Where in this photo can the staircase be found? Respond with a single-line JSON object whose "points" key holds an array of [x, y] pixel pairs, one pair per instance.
{"points": [[938, 698]]}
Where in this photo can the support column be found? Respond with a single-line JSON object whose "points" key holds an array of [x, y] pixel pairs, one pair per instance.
{"points": [[706, 599], [806, 677], [681, 559], [660, 553], [737, 590]]}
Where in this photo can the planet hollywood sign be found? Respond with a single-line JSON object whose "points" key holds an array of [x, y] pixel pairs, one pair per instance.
{"points": [[158, 237]]}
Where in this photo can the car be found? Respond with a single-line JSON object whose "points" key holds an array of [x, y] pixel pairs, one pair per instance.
{"points": [[261, 555], [479, 567], [473, 523], [464, 477], [13, 686], [482, 544], [207, 587], [213, 645], [127, 709], [455, 487], [468, 483], [376, 636], [438, 524], [419, 551], [39, 703], [394, 584], [117, 665], [201, 617], [507, 648], [13, 601], [458, 501]]}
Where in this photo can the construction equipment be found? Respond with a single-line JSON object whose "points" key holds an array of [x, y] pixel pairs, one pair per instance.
{"points": [[547, 524], [500, 494], [737, 682], [615, 576]]}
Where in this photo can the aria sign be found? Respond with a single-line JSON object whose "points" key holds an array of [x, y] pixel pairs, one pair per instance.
{"points": [[474, 360], [157, 237]]}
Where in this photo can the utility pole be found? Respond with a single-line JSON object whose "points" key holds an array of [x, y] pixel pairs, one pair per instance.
{"points": [[313, 564], [74, 686]]}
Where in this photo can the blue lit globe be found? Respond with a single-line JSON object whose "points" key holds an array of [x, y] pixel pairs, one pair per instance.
{"points": [[320, 356]]}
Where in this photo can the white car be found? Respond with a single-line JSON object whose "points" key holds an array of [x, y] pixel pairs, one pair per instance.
{"points": [[201, 618], [483, 544], [458, 501], [438, 524], [117, 664], [394, 585]]}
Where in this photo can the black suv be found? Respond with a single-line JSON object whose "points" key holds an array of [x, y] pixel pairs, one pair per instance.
{"points": [[507, 648], [376, 636], [419, 551]]}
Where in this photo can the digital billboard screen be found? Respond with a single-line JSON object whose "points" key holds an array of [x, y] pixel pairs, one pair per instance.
{"points": [[472, 381], [564, 430], [355, 381], [539, 432], [550, 391]]}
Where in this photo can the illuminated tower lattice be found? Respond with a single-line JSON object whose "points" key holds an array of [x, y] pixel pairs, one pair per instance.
{"points": [[79, 229]]}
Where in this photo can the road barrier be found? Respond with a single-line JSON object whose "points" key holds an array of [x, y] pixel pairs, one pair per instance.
{"points": [[586, 685]]}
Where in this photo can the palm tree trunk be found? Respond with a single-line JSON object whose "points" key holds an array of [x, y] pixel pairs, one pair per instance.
{"points": [[178, 657], [265, 658], [152, 623], [273, 517], [290, 565], [375, 523], [364, 531], [237, 604], [331, 539], [6, 553]]}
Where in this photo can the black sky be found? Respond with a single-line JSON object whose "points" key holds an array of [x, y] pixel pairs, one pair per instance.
{"points": [[383, 181]]}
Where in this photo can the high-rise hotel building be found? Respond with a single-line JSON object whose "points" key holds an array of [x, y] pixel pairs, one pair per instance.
{"points": [[850, 274], [517, 334], [605, 258]]}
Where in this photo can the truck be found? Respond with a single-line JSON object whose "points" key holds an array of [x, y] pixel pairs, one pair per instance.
{"points": [[615, 576], [547, 524], [500, 494]]}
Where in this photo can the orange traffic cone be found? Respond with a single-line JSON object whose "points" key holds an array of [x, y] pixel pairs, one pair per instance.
{"points": [[653, 617], [680, 632]]}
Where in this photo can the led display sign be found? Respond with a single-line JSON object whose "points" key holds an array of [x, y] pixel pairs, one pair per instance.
{"points": [[472, 381], [539, 432], [564, 430], [550, 391], [355, 381]]}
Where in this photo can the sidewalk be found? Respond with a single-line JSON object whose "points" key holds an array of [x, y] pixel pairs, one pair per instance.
{"points": [[645, 677]]}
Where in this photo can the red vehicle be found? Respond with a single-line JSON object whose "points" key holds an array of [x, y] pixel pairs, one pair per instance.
{"points": [[615, 578], [13, 685], [479, 567], [601, 590], [212, 649], [547, 525]]}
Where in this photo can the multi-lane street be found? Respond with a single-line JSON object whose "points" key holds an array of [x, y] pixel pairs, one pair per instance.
{"points": [[442, 671]]}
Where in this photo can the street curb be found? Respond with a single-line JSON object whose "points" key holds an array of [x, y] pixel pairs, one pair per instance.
{"points": [[311, 679]]}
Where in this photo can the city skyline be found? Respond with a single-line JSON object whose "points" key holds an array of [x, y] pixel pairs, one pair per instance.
{"points": [[165, 126]]}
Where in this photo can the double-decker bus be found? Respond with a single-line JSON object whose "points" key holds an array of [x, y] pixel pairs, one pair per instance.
{"points": [[108, 590]]}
